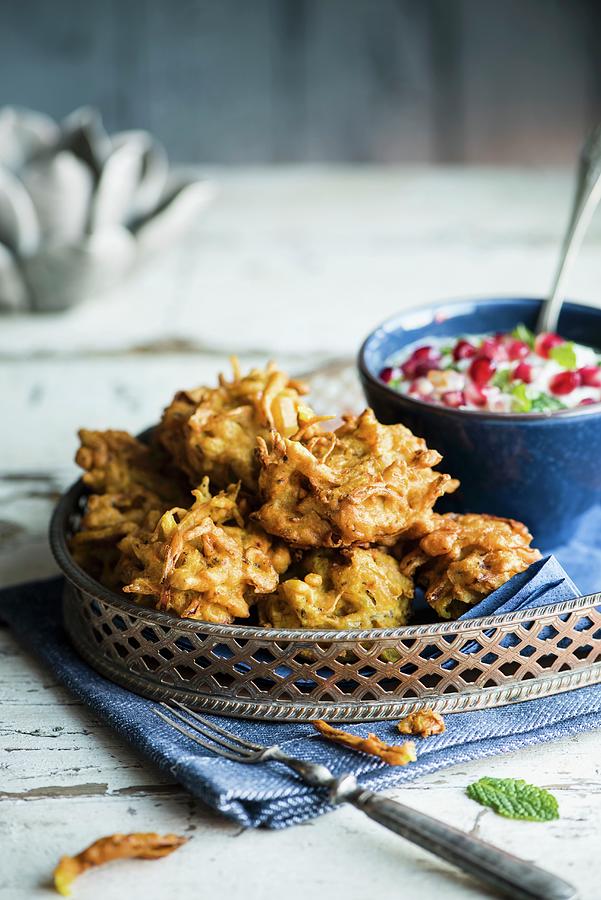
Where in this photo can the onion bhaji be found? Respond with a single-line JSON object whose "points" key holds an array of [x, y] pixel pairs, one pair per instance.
{"points": [[194, 565], [138, 845], [355, 589], [129, 482], [466, 557], [394, 755], [354, 506], [213, 431], [363, 483]]}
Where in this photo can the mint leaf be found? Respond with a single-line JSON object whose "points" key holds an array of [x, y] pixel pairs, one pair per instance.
{"points": [[514, 799], [546, 403], [521, 333], [564, 354], [502, 379], [521, 401]]}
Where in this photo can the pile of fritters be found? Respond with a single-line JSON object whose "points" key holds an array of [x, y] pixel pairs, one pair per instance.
{"points": [[244, 505]]}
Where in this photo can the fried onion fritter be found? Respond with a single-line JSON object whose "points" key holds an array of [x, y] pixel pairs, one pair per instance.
{"points": [[129, 482], [213, 431], [394, 755], [466, 557], [194, 565], [423, 722], [137, 845], [363, 483], [355, 589]]}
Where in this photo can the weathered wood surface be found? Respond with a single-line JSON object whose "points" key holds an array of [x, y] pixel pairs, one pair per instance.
{"points": [[64, 778]]}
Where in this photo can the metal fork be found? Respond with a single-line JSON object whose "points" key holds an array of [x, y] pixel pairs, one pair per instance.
{"points": [[508, 875]]}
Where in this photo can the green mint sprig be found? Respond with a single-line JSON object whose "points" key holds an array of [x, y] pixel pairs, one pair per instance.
{"points": [[514, 799], [502, 379], [565, 355], [547, 403], [521, 402], [521, 333]]}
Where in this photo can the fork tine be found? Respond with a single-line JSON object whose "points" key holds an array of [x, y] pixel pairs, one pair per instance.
{"points": [[214, 748], [214, 727], [205, 728]]}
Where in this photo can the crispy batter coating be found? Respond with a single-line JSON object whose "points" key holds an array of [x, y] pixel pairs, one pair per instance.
{"points": [[129, 482], [213, 431], [194, 565], [466, 557], [423, 722], [116, 846], [394, 755], [355, 589], [364, 483]]}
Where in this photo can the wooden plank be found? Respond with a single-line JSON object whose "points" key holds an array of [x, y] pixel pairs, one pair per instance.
{"points": [[304, 262]]}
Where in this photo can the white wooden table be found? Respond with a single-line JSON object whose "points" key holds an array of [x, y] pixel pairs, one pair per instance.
{"points": [[297, 264]]}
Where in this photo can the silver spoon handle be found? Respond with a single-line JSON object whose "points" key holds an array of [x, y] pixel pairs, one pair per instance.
{"points": [[505, 873], [586, 199]]}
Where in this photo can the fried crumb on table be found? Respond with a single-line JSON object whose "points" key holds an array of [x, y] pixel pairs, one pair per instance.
{"points": [[393, 755], [137, 845], [423, 723]]}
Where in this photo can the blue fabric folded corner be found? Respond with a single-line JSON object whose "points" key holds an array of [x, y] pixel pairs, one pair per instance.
{"points": [[269, 795]]}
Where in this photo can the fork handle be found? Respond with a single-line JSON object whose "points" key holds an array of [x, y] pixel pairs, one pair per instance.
{"points": [[511, 876]]}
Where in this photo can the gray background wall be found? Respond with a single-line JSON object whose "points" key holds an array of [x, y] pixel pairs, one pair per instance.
{"points": [[474, 81]]}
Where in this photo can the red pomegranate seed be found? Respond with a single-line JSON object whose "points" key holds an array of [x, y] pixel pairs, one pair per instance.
{"points": [[517, 349], [475, 395], [493, 349], [545, 342], [421, 362], [481, 370], [386, 374], [423, 353], [565, 382], [522, 372], [463, 350], [590, 375], [453, 399], [587, 401]]}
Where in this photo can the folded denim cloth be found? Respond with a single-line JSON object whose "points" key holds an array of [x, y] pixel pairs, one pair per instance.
{"points": [[268, 794]]}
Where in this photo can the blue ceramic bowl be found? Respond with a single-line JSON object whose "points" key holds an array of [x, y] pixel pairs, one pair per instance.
{"points": [[542, 469]]}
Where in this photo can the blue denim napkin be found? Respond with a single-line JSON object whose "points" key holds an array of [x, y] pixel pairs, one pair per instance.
{"points": [[269, 795]]}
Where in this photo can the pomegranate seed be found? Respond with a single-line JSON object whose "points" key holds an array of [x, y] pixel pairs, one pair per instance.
{"points": [[522, 372], [545, 342], [386, 374], [463, 350], [590, 375], [587, 401], [408, 368], [481, 370], [493, 349], [475, 395], [421, 362], [453, 399], [565, 382], [424, 353], [517, 349]]}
